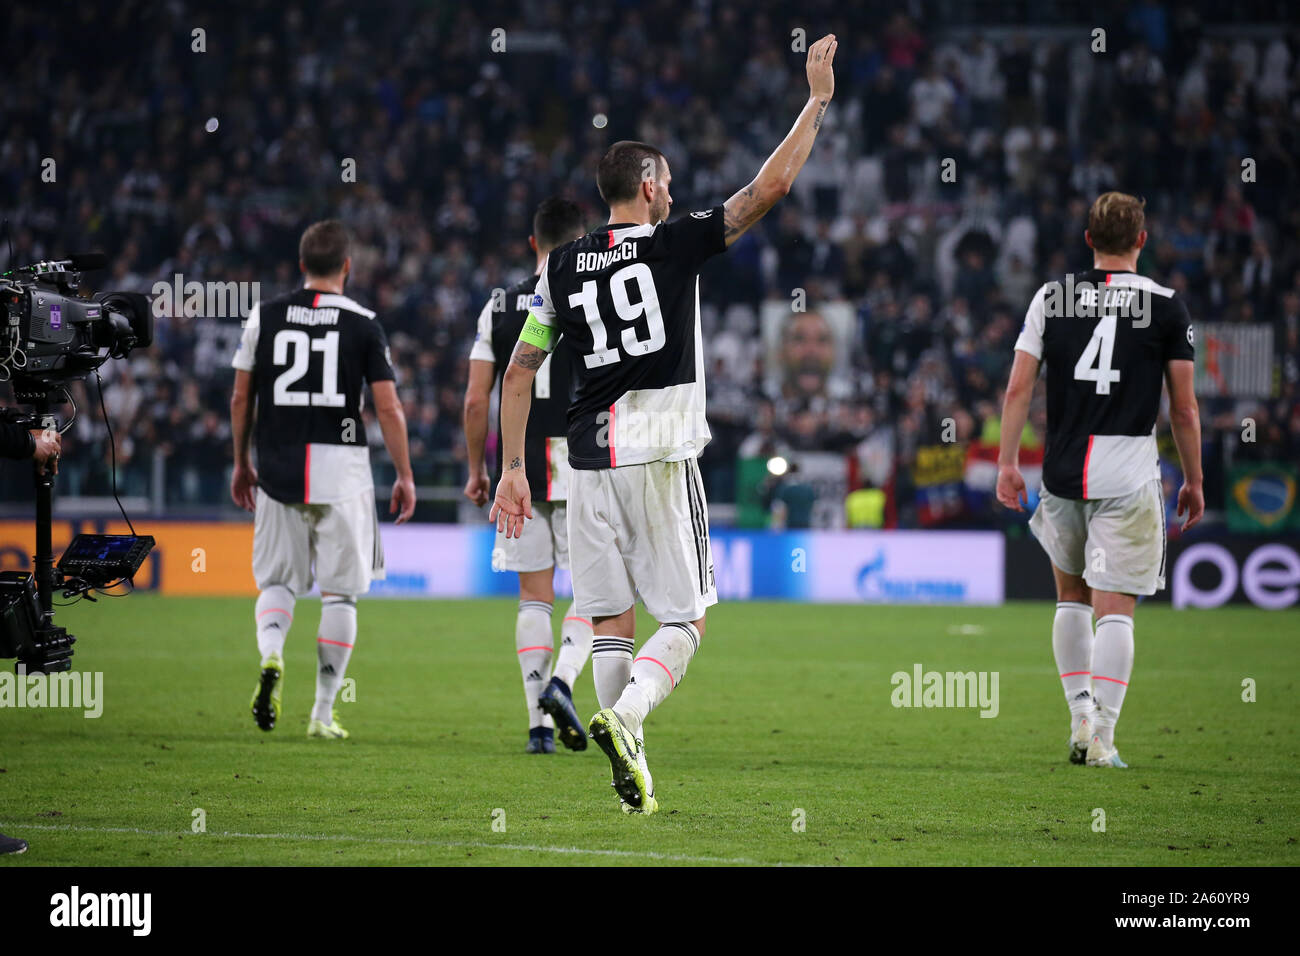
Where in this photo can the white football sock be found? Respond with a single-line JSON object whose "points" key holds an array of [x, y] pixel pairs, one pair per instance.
{"points": [[658, 669], [274, 612], [575, 646], [611, 666], [533, 642], [334, 642], [1072, 644], [1112, 665]]}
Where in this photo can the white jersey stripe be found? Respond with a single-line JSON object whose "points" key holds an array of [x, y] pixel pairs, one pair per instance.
{"points": [[328, 300]]}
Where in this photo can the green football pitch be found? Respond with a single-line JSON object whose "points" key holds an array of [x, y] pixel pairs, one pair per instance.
{"points": [[781, 746]]}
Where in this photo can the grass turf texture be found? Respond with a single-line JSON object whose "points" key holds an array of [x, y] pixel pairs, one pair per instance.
{"points": [[786, 707]]}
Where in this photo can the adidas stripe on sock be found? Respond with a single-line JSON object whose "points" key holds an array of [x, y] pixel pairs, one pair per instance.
{"points": [[334, 643], [533, 647], [273, 616]]}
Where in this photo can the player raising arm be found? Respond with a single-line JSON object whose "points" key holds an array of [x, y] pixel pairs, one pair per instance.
{"points": [[626, 297], [740, 212], [774, 180]]}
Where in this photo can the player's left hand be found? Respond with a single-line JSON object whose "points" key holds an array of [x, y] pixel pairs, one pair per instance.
{"points": [[513, 503], [402, 503], [1191, 499], [1011, 488]]}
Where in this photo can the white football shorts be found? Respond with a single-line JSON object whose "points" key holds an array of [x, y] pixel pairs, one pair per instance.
{"points": [[641, 528], [337, 545], [1115, 544], [544, 542]]}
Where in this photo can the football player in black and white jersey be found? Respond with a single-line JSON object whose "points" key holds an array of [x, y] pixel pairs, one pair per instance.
{"points": [[544, 544], [1109, 338], [626, 297], [300, 368]]}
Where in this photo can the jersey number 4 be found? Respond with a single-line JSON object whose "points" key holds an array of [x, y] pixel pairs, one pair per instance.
{"points": [[1094, 364], [302, 345], [628, 311]]}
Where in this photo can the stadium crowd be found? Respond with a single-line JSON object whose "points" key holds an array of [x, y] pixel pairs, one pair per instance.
{"points": [[878, 304]]}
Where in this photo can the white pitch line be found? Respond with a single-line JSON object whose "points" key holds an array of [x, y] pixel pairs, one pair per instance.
{"points": [[399, 841]]}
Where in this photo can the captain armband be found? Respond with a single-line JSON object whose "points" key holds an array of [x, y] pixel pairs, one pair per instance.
{"points": [[537, 334]]}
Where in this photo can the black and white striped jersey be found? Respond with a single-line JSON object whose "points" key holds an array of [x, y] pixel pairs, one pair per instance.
{"points": [[626, 297], [546, 447], [310, 354], [1104, 338]]}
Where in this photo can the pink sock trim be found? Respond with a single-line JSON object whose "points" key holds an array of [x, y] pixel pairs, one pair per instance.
{"points": [[661, 664]]}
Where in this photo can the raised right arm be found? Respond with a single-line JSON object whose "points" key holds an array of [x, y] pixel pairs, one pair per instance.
{"points": [[778, 174]]}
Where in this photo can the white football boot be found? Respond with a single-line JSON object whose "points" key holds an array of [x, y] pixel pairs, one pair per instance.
{"points": [[1099, 755], [1080, 739]]}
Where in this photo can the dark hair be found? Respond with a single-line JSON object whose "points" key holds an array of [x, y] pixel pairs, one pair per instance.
{"points": [[1114, 222], [323, 248], [623, 168], [556, 222]]}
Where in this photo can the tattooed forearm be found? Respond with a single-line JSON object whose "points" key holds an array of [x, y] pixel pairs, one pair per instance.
{"points": [[821, 111], [740, 212], [515, 462], [528, 356]]}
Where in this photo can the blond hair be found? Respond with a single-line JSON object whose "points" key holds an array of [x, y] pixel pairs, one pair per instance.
{"points": [[1115, 221]]}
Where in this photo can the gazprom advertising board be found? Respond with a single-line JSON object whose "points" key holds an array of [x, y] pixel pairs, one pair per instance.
{"points": [[877, 567]]}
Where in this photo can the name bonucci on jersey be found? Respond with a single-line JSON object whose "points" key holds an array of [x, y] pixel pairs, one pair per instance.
{"points": [[595, 261]]}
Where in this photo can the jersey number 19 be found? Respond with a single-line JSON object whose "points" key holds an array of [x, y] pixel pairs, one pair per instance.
{"points": [[628, 311]]}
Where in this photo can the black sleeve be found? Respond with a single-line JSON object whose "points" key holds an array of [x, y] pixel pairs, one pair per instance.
{"points": [[698, 236], [16, 441], [1179, 337], [379, 360]]}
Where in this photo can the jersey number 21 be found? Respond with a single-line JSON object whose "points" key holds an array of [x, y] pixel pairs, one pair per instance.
{"points": [[302, 345]]}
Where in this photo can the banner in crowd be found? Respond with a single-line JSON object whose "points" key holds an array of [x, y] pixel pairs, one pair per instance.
{"points": [[1262, 498], [1234, 360], [958, 480], [432, 560]]}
